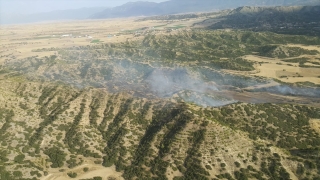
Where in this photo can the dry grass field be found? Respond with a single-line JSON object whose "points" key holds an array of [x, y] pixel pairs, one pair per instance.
{"points": [[18, 41], [286, 72]]}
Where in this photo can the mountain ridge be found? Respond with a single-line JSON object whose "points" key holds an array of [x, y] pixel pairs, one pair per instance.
{"points": [[130, 9], [143, 8], [279, 19]]}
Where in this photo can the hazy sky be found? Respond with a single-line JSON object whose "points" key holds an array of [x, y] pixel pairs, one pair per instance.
{"points": [[35, 6]]}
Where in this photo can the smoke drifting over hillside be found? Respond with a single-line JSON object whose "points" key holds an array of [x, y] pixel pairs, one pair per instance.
{"points": [[291, 91], [165, 82], [202, 86], [191, 88]]}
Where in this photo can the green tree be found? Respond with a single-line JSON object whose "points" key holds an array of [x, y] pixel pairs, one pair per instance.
{"points": [[19, 158]]}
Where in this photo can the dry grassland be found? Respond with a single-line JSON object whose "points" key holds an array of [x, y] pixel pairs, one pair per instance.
{"points": [[286, 71], [18, 41]]}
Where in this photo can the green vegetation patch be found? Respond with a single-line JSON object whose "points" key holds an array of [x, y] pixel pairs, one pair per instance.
{"points": [[276, 51], [176, 27], [297, 60], [96, 41], [160, 26], [57, 157]]}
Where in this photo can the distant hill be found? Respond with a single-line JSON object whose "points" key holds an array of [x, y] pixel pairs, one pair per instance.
{"points": [[144, 8], [178, 6], [287, 20], [131, 9], [71, 14]]}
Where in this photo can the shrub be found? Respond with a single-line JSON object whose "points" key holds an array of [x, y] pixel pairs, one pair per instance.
{"points": [[85, 169], [223, 165], [237, 164], [208, 167], [19, 158], [72, 174]]}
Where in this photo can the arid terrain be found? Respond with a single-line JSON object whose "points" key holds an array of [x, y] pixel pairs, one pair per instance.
{"points": [[19, 40], [159, 99]]}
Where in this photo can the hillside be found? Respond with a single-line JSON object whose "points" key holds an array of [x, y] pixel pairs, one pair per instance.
{"points": [[287, 20], [131, 63], [57, 128]]}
